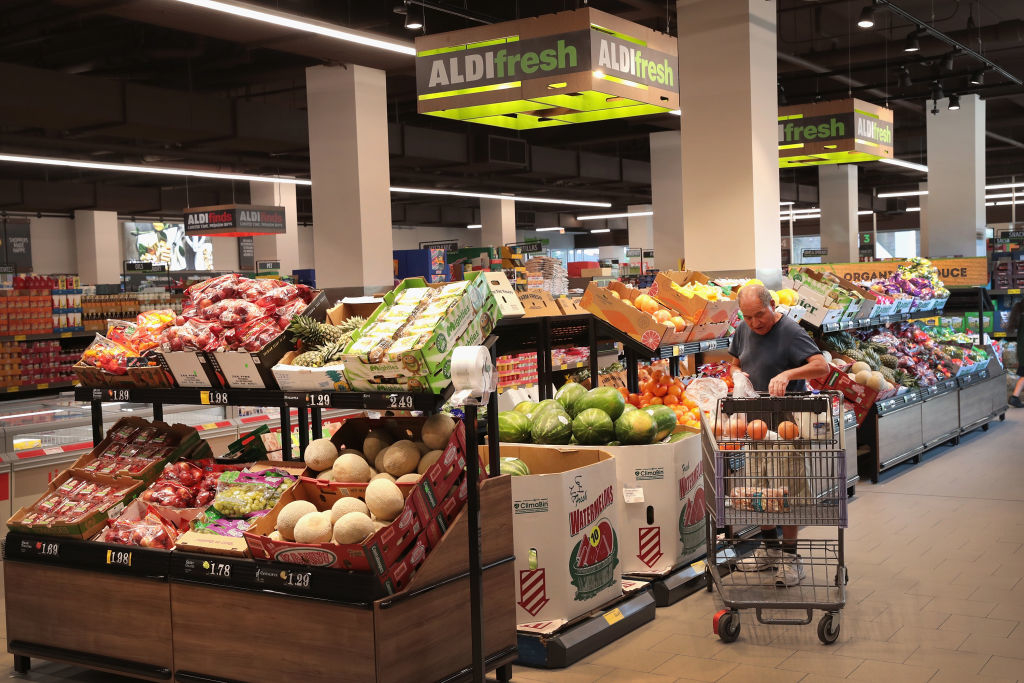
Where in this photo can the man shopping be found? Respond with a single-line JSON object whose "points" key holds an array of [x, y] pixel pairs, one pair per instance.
{"points": [[777, 355]]}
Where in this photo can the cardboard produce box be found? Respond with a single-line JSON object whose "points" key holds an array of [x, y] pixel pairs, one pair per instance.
{"points": [[662, 513], [819, 309], [245, 370], [858, 396], [178, 440], [628, 319], [538, 303], [88, 525], [566, 521], [711, 319]]}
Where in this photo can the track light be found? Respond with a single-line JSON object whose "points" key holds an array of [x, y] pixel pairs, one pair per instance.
{"points": [[978, 77], [905, 80], [782, 96], [937, 93], [947, 61], [413, 23], [867, 17], [912, 44], [954, 102]]}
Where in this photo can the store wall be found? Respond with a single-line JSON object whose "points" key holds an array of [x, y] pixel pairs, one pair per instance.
{"points": [[225, 253], [53, 245], [306, 250], [410, 238]]}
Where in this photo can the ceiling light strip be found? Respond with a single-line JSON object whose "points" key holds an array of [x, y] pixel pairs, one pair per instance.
{"points": [[284, 20], [594, 232], [485, 195], [631, 214], [905, 164], [907, 193]]}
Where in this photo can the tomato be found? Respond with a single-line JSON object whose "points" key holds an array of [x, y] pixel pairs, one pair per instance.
{"points": [[670, 400], [624, 391], [659, 390], [675, 390], [658, 374], [656, 401], [634, 399]]}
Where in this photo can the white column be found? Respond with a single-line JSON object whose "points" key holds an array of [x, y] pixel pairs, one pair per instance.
{"points": [[225, 253], [99, 247], [837, 197], [348, 159], [641, 228], [498, 216], [667, 198], [283, 247], [956, 179], [728, 97]]}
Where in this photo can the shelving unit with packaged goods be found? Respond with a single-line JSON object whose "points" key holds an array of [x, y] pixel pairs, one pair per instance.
{"points": [[65, 551], [542, 334]]}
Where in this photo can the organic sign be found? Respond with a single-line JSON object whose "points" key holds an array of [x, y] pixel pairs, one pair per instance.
{"points": [[234, 220], [570, 67], [835, 132], [954, 272]]}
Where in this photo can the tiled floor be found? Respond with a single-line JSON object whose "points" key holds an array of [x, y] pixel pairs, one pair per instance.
{"points": [[936, 594]]}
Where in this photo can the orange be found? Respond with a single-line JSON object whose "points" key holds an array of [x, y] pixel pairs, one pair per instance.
{"points": [[670, 400], [662, 316], [659, 390], [656, 401], [634, 399], [628, 303], [729, 446], [736, 427], [757, 429], [624, 391], [678, 323], [675, 390], [788, 431]]}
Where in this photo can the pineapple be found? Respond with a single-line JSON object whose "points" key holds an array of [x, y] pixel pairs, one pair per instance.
{"points": [[890, 361], [350, 325], [332, 352], [888, 374], [314, 334], [872, 359], [309, 359]]}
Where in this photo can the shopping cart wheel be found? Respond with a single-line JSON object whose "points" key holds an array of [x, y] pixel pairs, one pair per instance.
{"points": [[727, 625], [828, 629], [984, 427]]}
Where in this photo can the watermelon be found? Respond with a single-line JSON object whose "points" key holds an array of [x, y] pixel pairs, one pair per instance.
{"points": [[665, 418], [628, 407], [636, 427], [568, 395], [552, 426], [678, 436], [512, 466], [614, 443], [546, 404], [593, 427], [603, 398], [513, 427], [525, 407]]}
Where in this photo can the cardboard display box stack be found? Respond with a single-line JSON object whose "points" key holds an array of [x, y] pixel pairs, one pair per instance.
{"points": [[710, 319], [639, 325]]}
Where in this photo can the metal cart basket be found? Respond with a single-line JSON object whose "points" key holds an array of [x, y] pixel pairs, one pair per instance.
{"points": [[768, 462]]}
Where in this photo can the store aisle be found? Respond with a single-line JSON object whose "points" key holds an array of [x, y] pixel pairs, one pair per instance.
{"points": [[936, 557], [936, 593]]}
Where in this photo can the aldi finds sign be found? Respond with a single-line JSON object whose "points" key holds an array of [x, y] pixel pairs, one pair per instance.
{"points": [[234, 220], [834, 132], [570, 67]]}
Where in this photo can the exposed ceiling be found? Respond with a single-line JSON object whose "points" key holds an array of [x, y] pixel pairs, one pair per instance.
{"points": [[157, 81]]}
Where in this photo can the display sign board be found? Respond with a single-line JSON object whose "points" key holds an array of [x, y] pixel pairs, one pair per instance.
{"points": [[17, 245], [834, 132], [246, 254], [144, 267], [552, 70], [954, 272], [1014, 235], [526, 247], [815, 252], [446, 245], [234, 220]]}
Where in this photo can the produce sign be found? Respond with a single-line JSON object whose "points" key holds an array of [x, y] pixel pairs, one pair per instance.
{"points": [[834, 132], [553, 70], [953, 272], [234, 220]]}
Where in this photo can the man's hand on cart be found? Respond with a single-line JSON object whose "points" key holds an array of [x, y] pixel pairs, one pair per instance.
{"points": [[777, 387]]}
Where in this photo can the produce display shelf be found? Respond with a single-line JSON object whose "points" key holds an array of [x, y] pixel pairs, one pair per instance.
{"points": [[271, 397], [882, 320], [46, 386], [76, 553], [512, 387], [682, 581], [46, 336], [668, 351], [1005, 292]]}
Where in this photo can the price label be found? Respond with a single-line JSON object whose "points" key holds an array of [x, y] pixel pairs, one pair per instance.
{"points": [[47, 549], [119, 394], [319, 400], [698, 566], [614, 616], [633, 495], [219, 569], [213, 398], [65, 335], [296, 579], [121, 558], [20, 337]]}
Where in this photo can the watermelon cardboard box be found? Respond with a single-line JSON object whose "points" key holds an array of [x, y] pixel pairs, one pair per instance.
{"points": [[662, 511], [565, 521]]}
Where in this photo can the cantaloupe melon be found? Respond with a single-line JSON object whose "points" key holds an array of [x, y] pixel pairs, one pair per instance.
{"points": [[313, 528], [350, 468], [427, 460], [375, 441], [437, 430], [326, 474], [343, 506], [862, 377], [400, 458], [352, 527], [876, 381], [290, 515], [423, 448], [384, 499], [357, 452], [859, 367], [320, 454], [382, 475], [275, 536], [411, 478]]}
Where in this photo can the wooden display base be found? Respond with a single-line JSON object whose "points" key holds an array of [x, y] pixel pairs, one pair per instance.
{"points": [[213, 631]]}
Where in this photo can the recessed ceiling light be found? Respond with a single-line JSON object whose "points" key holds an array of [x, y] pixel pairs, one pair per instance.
{"points": [[867, 17], [905, 164], [907, 193], [475, 226]]}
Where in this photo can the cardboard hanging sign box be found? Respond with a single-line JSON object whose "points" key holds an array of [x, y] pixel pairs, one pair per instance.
{"points": [[566, 532], [629, 319], [662, 511], [712, 319], [254, 370]]}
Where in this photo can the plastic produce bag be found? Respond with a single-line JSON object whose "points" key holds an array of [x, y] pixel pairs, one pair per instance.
{"points": [[241, 494], [107, 355], [152, 531], [741, 386]]}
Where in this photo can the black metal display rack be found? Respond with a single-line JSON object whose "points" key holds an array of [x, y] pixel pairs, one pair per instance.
{"points": [[247, 574]]}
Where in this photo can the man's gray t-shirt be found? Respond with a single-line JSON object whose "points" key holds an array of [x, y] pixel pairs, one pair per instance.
{"points": [[763, 356]]}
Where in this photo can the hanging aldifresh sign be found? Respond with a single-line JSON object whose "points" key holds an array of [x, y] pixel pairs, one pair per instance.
{"points": [[834, 132]]}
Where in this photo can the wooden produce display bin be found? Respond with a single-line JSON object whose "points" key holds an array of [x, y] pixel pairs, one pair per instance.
{"points": [[419, 634]]}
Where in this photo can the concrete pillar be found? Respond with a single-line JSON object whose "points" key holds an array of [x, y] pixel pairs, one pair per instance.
{"points": [[99, 247], [956, 179], [667, 198], [283, 247], [641, 228], [730, 161], [348, 160], [837, 197], [498, 216]]}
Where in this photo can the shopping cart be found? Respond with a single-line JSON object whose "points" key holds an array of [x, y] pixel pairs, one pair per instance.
{"points": [[776, 461]]}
